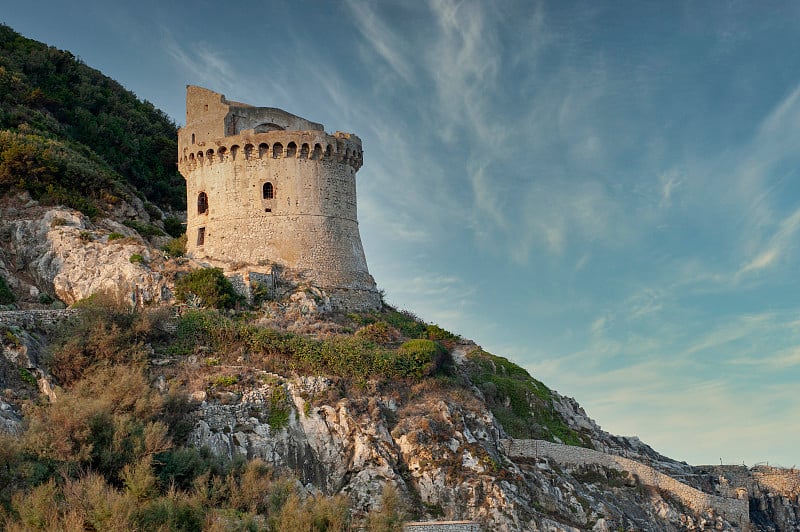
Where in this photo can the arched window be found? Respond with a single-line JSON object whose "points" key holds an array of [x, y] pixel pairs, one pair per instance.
{"points": [[277, 150], [192, 138], [304, 149], [268, 191], [317, 152], [202, 203], [291, 150], [263, 150]]}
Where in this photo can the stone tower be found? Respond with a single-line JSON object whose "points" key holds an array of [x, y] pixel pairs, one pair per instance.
{"points": [[267, 187]]}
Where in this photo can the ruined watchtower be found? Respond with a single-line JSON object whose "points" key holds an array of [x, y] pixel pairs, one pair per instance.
{"points": [[265, 186]]}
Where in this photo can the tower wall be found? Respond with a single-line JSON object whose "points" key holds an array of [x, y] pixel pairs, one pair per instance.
{"points": [[283, 196]]}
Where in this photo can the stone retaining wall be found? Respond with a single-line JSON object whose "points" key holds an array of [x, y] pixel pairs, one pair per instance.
{"points": [[736, 511], [33, 319], [442, 526]]}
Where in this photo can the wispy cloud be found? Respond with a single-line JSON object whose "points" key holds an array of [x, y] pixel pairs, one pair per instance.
{"points": [[784, 359], [778, 245], [382, 39], [202, 62]]}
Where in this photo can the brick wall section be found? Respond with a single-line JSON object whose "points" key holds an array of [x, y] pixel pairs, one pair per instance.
{"points": [[736, 511], [442, 526], [34, 319]]}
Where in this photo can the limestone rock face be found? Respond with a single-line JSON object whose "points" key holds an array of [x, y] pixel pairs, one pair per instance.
{"points": [[61, 252], [443, 451]]}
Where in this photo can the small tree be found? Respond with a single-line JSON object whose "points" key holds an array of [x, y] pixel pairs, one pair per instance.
{"points": [[210, 285]]}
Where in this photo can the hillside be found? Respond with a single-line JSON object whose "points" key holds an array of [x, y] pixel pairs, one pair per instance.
{"points": [[163, 400], [70, 135]]}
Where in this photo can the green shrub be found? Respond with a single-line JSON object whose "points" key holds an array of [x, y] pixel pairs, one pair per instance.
{"points": [[115, 236], [434, 332], [379, 332], [136, 258], [279, 409], [153, 211], [85, 236], [420, 358], [208, 284], [45, 299], [144, 229], [174, 226], [522, 404], [176, 247], [223, 381], [7, 297], [27, 377]]}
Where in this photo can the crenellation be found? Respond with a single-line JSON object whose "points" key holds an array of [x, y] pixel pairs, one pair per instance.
{"points": [[281, 191]]}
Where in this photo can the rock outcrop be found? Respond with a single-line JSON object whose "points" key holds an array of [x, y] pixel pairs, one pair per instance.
{"points": [[61, 253]]}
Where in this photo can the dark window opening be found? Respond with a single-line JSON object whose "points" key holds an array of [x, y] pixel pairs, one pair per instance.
{"points": [[192, 138], [202, 203], [268, 191], [201, 236], [267, 210]]}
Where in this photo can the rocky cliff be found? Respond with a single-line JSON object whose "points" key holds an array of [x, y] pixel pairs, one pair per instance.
{"points": [[441, 442]]}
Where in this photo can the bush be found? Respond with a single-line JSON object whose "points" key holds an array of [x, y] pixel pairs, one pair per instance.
{"points": [[208, 284], [421, 358], [174, 226], [7, 297], [144, 229], [176, 247], [104, 333], [390, 516], [136, 258], [105, 422], [115, 236], [379, 332], [45, 299]]}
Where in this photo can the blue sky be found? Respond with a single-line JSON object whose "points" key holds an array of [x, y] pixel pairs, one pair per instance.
{"points": [[606, 193]]}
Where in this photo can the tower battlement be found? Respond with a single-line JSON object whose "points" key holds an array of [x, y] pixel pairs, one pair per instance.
{"points": [[267, 186]]}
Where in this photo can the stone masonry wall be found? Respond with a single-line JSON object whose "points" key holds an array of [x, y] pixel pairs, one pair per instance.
{"points": [[34, 319], [273, 194], [734, 510], [442, 526]]}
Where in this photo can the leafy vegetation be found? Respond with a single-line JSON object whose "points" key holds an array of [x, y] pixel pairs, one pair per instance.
{"points": [[144, 229], [174, 226], [7, 297], [69, 134], [176, 247], [523, 405], [209, 285], [108, 456], [345, 356]]}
